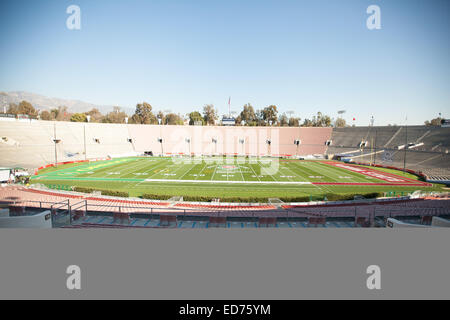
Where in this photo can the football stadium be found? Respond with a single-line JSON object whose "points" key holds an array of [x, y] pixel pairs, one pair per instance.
{"points": [[96, 175]]}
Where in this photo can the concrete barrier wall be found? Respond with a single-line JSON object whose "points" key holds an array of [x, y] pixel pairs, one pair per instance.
{"points": [[39, 221]]}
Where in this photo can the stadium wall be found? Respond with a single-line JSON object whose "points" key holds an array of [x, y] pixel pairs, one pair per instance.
{"points": [[30, 144]]}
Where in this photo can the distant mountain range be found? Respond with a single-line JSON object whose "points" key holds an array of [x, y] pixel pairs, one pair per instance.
{"points": [[45, 103]]}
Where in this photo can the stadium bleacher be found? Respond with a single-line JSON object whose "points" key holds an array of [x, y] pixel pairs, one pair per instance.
{"points": [[34, 145]]}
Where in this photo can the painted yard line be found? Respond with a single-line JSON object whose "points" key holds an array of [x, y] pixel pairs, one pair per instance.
{"points": [[157, 163], [242, 175], [181, 167], [214, 173], [295, 174], [256, 175], [388, 177], [261, 167], [152, 168], [180, 178], [312, 172], [329, 171], [229, 181], [132, 169], [335, 172], [301, 169], [167, 167], [74, 168], [113, 163], [198, 175], [145, 164], [101, 172], [331, 174]]}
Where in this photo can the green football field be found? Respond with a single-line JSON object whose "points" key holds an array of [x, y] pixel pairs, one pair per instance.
{"points": [[217, 177]]}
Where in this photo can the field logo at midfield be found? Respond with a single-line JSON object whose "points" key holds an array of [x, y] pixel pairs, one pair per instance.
{"points": [[212, 146], [228, 167]]}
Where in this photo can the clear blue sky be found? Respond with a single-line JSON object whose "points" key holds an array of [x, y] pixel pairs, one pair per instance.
{"points": [[305, 56]]}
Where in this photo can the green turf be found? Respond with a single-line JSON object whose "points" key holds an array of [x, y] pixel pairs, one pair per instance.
{"points": [[216, 177]]}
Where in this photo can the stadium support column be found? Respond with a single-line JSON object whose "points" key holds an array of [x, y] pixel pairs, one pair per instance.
{"points": [[55, 142], [84, 137], [406, 144], [375, 147]]}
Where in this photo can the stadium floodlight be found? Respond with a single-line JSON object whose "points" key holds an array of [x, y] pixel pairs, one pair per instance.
{"points": [[297, 143], [160, 140], [242, 141], [214, 140], [55, 141], [188, 141]]}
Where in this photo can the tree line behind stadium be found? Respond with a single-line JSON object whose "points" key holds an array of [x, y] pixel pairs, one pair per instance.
{"points": [[144, 114]]}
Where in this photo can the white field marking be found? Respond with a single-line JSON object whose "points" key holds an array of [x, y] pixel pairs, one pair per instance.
{"points": [[164, 168], [295, 174], [146, 162], [118, 167], [175, 173], [163, 162], [329, 172], [204, 167], [242, 175], [125, 165], [260, 165], [317, 167], [132, 165], [250, 165], [187, 171], [320, 187], [357, 178], [229, 181], [139, 166], [214, 173]]}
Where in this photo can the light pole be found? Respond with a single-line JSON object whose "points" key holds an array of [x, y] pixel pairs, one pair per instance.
{"points": [[160, 140], [406, 143], [269, 142], [188, 141], [297, 143], [214, 140], [242, 141], [56, 141], [340, 113], [84, 137]]}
